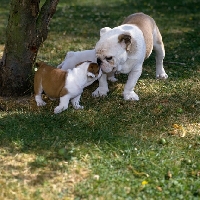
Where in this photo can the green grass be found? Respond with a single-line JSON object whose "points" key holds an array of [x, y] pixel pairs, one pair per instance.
{"points": [[113, 149]]}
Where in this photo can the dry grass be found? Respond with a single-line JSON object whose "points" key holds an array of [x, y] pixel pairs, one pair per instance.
{"points": [[24, 175]]}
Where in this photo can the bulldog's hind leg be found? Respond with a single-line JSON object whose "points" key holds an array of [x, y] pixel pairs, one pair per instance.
{"points": [[158, 46]]}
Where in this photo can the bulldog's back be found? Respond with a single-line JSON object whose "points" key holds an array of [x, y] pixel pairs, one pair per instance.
{"points": [[147, 25]]}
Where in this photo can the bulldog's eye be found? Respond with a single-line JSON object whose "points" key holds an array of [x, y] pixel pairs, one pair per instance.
{"points": [[108, 58]]}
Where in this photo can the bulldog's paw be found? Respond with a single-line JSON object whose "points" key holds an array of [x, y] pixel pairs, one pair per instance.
{"points": [[161, 75], [41, 103], [100, 92], [112, 79], [59, 109], [131, 96]]}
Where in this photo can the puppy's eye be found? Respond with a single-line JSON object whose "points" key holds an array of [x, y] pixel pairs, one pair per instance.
{"points": [[109, 58]]}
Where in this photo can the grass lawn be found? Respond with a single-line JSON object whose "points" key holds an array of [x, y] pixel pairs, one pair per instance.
{"points": [[113, 149]]}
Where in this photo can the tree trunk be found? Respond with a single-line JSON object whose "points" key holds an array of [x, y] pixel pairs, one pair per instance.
{"points": [[27, 29]]}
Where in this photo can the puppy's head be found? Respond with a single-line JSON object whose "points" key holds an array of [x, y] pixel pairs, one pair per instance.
{"points": [[113, 48], [93, 70]]}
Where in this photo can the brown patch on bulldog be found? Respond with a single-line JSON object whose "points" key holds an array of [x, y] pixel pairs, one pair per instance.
{"points": [[147, 25], [94, 68], [51, 79], [129, 41]]}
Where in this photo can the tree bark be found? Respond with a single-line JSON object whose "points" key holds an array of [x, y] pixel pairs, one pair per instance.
{"points": [[27, 29]]}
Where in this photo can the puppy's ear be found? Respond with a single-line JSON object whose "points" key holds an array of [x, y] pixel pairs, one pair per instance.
{"points": [[125, 40], [38, 64], [93, 69], [104, 30], [90, 74]]}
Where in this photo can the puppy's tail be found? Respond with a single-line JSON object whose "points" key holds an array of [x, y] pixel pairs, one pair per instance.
{"points": [[60, 65], [70, 54]]}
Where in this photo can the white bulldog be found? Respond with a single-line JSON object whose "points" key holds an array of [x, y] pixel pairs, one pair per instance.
{"points": [[73, 58], [124, 48], [65, 85]]}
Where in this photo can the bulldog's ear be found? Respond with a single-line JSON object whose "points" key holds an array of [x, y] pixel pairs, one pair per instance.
{"points": [[125, 40], [104, 30]]}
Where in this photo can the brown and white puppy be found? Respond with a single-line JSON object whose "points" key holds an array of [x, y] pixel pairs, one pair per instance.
{"points": [[124, 48], [66, 85]]}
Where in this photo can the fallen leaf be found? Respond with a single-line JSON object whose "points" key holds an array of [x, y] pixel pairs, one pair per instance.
{"points": [[159, 188]]}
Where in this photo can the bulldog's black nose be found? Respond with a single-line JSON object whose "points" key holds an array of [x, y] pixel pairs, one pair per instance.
{"points": [[99, 61]]}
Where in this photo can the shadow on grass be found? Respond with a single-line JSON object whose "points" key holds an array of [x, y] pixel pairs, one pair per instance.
{"points": [[107, 126], [109, 119]]}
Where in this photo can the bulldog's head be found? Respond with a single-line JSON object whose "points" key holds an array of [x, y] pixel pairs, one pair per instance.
{"points": [[113, 48]]}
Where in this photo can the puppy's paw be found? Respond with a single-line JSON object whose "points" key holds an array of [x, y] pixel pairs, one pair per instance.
{"points": [[100, 92], [112, 79], [41, 103], [59, 109], [131, 96], [78, 107], [52, 99]]}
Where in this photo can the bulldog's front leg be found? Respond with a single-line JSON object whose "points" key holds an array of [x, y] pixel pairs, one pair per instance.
{"points": [[133, 77], [103, 87]]}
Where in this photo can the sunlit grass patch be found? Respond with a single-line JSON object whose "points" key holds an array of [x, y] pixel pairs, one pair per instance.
{"points": [[30, 176]]}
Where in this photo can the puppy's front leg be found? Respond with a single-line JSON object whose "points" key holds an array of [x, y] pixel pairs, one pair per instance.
{"points": [[111, 77], [103, 87], [133, 77], [75, 102], [64, 101]]}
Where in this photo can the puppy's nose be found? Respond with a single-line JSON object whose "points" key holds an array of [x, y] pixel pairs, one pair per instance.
{"points": [[99, 61]]}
